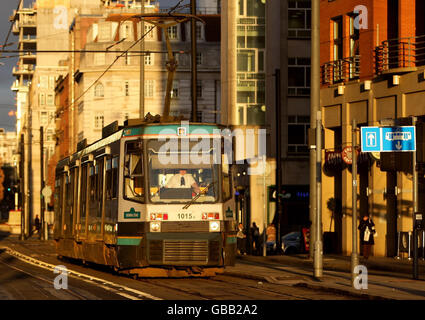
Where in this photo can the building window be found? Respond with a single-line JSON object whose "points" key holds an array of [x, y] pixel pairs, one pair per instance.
{"points": [[44, 118], [199, 59], [149, 88], [127, 88], [199, 32], [49, 135], [99, 121], [44, 82], [299, 19], [149, 31], [199, 89], [52, 81], [298, 134], [81, 107], [42, 98], [299, 76], [175, 90], [98, 90], [148, 59], [50, 100], [172, 33], [337, 38]]}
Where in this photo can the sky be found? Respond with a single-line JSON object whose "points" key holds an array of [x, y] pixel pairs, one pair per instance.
{"points": [[7, 96]]}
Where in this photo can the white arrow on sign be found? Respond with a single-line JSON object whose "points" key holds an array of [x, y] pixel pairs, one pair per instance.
{"points": [[371, 137], [398, 145]]}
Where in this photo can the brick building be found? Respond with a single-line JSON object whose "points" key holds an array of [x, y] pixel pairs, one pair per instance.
{"points": [[372, 59]]}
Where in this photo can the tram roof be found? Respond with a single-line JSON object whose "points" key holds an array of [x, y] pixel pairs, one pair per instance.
{"points": [[139, 130]]}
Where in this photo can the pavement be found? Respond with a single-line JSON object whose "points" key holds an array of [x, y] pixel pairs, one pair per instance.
{"points": [[387, 278]]}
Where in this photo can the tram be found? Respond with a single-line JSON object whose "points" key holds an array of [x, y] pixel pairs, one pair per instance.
{"points": [[149, 200]]}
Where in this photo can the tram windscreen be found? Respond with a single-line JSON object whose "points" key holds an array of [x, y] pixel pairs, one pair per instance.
{"points": [[179, 172]]}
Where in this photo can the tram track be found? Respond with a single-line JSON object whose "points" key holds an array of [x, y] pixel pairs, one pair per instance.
{"points": [[220, 287]]}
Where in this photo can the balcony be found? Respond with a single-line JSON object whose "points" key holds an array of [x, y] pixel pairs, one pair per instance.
{"points": [[400, 55], [26, 69], [341, 70]]}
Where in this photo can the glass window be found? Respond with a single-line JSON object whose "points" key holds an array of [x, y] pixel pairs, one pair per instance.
{"points": [[83, 204], [112, 178], [44, 118], [98, 90], [149, 88], [177, 176], [172, 33], [133, 171], [149, 59], [298, 134], [99, 121]]}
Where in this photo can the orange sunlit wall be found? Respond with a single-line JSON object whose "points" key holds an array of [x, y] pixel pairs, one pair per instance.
{"points": [[376, 32]]}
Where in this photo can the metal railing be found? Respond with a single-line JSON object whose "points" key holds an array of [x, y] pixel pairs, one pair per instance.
{"points": [[341, 70], [400, 53]]}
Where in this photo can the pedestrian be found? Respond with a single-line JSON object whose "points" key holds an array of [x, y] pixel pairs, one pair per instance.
{"points": [[367, 232], [37, 224], [241, 240], [271, 237], [255, 236]]}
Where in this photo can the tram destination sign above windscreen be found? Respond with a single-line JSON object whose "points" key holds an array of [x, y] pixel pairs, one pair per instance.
{"points": [[388, 139]]}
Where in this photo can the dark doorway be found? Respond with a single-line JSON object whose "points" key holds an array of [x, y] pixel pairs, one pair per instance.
{"points": [[391, 214]]}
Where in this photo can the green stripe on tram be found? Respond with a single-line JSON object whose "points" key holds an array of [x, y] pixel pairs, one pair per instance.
{"points": [[128, 241]]}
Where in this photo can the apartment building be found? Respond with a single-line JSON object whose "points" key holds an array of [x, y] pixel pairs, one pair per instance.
{"points": [[372, 72], [260, 37]]}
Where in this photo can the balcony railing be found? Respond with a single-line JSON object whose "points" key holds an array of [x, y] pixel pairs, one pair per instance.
{"points": [[341, 70], [400, 53]]}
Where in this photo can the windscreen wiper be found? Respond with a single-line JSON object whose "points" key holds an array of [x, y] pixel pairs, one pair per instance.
{"points": [[187, 205]]}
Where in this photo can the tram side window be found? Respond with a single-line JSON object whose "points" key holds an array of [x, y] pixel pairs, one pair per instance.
{"points": [[69, 185], [93, 181], [83, 194], [58, 204], [111, 178], [133, 171], [99, 191], [227, 190]]}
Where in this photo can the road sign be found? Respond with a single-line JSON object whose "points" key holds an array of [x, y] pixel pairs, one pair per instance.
{"points": [[388, 139]]}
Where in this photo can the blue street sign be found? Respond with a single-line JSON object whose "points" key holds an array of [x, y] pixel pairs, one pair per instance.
{"points": [[388, 139], [398, 139], [371, 139]]}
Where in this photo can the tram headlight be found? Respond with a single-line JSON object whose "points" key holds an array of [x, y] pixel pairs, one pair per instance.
{"points": [[155, 226], [214, 226]]}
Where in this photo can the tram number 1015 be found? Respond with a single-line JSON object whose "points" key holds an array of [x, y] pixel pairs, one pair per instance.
{"points": [[185, 216]]}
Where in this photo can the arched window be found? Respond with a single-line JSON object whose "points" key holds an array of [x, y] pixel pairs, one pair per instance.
{"points": [[98, 90]]}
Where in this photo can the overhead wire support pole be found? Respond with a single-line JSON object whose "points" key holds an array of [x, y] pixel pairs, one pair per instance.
{"points": [[142, 66], [194, 117], [314, 107], [415, 209], [278, 160], [318, 244]]}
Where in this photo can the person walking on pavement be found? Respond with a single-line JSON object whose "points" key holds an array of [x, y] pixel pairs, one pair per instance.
{"points": [[37, 224], [241, 240], [255, 236], [271, 237], [367, 231]]}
